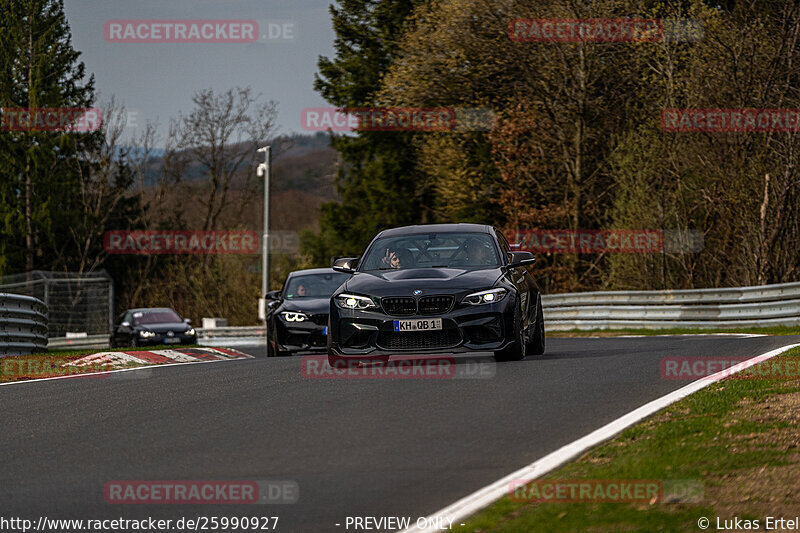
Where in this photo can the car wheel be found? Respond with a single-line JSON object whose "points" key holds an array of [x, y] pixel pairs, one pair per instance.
{"points": [[273, 351], [516, 350], [536, 346]]}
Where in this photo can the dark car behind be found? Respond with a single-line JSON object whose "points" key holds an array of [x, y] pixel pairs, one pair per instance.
{"points": [[298, 316], [152, 327]]}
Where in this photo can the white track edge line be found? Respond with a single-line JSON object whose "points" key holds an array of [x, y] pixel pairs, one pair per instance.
{"points": [[145, 367], [738, 335], [481, 498]]}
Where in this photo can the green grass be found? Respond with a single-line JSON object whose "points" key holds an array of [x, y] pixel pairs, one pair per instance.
{"points": [[775, 330], [48, 364], [708, 437]]}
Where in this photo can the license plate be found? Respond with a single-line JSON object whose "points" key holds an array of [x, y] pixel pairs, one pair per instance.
{"points": [[422, 324], [172, 340], [324, 330]]}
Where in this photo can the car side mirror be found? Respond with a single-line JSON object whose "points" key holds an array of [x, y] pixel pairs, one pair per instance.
{"points": [[346, 265], [518, 259], [126, 324], [274, 295]]}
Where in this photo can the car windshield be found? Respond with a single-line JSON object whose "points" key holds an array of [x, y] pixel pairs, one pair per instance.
{"points": [[156, 316], [314, 285], [440, 250]]}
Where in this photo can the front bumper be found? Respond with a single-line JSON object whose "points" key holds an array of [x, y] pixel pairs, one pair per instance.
{"points": [[466, 328], [305, 336], [162, 339]]}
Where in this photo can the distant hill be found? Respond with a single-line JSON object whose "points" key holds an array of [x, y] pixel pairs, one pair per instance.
{"points": [[304, 168], [305, 163]]}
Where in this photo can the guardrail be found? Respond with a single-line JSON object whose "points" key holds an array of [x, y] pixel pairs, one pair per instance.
{"points": [[742, 307], [78, 343], [23, 325], [229, 336]]}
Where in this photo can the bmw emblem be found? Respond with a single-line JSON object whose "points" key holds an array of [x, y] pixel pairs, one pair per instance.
{"points": [[417, 292]]}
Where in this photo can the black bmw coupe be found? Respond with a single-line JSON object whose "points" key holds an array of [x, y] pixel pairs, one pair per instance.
{"points": [[298, 314], [432, 289]]}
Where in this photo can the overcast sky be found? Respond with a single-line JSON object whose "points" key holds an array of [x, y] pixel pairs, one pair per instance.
{"points": [[156, 80]]}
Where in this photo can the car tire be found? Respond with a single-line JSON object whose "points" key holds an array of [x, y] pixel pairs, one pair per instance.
{"points": [[516, 350], [537, 344], [273, 351]]}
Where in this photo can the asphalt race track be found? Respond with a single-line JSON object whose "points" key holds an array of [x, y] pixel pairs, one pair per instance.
{"points": [[405, 447]]}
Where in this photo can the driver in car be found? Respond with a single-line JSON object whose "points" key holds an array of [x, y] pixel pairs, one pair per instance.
{"points": [[397, 258], [477, 253]]}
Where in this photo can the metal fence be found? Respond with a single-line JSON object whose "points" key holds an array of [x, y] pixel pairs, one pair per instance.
{"points": [[77, 303], [742, 307], [23, 325]]}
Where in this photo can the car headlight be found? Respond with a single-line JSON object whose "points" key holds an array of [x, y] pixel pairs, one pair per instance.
{"points": [[147, 334], [190, 332], [485, 297], [291, 316], [352, 301]]}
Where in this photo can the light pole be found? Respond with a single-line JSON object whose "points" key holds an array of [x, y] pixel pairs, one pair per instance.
{"points": [[264, 170]]}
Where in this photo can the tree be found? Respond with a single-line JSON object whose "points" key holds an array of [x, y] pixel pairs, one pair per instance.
{"points": [[44, 175], [568, 100], [204, 179], [220, 136], [739, 188], [105, 197], [376, 181]]}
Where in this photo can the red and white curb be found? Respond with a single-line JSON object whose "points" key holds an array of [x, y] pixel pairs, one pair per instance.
{"points": [[111, 363], [114, 360]]}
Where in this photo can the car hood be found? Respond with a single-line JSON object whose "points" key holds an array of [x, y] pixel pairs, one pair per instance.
{"points": [[307, 305], [404, 281]]}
